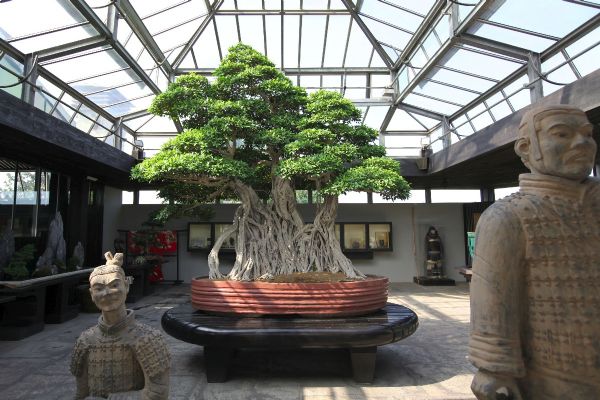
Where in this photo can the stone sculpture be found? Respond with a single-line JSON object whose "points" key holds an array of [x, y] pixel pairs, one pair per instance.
{"points": [[56, 249], [79, 254], [535, 294], [119, 358]]}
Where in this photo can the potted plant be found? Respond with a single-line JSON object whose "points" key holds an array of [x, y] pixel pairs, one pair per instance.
{"points": [[252, 135]]}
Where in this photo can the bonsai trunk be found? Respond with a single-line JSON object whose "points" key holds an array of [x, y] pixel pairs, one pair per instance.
{"points": [[271, 239]]}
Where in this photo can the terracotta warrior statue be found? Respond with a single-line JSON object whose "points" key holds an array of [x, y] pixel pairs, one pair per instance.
{"points": [[433, 250], [535, 292], [119, 358]]}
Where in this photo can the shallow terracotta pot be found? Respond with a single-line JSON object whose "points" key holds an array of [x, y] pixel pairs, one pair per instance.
{"points": [[308, 299]]}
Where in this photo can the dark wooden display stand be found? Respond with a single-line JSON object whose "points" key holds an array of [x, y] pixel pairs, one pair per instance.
{"points": [[26, 305], [434, 281], [222, 335]]}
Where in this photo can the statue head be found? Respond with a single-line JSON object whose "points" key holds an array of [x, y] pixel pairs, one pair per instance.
{"points": [[109, 285], [557, 140]]}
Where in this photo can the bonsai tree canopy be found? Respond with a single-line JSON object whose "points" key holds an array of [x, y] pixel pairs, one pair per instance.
{"points": [[252, 135]]}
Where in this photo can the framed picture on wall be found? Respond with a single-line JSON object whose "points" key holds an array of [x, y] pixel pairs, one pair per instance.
{"points": [[199, 236]]}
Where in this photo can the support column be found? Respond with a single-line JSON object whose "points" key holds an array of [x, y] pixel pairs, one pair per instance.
{"points": [[28, 87], [446, 132], [534, 68], [487, 195], [428, 196]]}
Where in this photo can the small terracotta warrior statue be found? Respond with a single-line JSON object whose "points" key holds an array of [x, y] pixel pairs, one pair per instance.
{"points": [[535, 293], [119, 358], [433, 249]]}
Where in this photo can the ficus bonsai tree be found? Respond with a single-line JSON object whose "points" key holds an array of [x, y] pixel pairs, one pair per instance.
{"points": [[251, 134]]}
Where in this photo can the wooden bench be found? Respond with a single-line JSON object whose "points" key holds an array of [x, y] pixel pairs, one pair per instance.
{"points": [[222, 335], [466, 272]]}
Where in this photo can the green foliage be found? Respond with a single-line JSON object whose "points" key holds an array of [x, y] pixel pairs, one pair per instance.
{"points": [[250, 123], [17, 267]]}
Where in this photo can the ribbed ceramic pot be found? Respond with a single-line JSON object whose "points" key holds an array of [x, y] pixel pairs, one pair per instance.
{"points": [[308, 299]]}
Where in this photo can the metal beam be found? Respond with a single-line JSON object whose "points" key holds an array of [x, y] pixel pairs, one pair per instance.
{"points": [[203, 25], [282, 12], [71, 48], [129, 14], [422, 31], [97, 23], [30, 69], [534, 68], [303, 71], [494, 46], [444, 50], [376, 45]]}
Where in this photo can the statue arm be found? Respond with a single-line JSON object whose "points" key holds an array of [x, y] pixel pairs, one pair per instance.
{"points": [[79, 368], [497, 293], [154, 358]]}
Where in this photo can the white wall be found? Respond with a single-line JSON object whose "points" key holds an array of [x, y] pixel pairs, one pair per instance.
{"points": [[409, 226]]}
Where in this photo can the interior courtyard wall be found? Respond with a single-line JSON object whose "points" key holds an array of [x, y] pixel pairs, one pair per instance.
{"points": [[399, 265]]}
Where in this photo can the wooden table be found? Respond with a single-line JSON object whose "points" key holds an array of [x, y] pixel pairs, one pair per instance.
{"points": [[222, 335]]}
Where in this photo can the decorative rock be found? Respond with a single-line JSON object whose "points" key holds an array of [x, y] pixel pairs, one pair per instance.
{"points": [[119, 357], [56, 246], [535, 299], [79, 253]]}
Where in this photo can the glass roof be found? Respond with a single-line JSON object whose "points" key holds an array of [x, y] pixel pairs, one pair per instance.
{"points": [[408, 65]]}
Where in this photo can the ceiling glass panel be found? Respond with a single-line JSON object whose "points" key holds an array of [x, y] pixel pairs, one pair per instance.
{"points": [[392, 13], [527, 15], [291, 28], [273, 24], [375, 116], [337, 36], [431, 104], [227, 31], [313, 35], [157, 124], [359, 49], [251, 30], [444, 92], [37, 14], [403, 121], [485, 65], [428, 122], [206, 51], [520, 39]]}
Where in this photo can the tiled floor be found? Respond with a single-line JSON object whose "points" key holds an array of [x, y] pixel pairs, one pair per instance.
{"points": [[429, 365]]}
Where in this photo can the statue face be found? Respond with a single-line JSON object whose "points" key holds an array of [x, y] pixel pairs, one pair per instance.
{"points": [[109, 291], [566, 145]]}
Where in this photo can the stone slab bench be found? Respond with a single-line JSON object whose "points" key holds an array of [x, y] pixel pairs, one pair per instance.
{"points": [[222, 335]]}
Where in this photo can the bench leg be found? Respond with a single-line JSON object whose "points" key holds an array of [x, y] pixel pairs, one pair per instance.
{"points": [[216, 362], [363, 363]]}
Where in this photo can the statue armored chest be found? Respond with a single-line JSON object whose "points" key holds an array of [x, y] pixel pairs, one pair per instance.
{"points": [[113, 366], [562, 284]]}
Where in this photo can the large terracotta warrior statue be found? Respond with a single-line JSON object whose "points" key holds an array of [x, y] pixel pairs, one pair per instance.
{"points": [[119, 358], [535, 292]]}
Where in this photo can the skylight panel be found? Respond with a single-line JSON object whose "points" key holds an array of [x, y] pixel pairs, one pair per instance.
{"points": [[378, 84], [421, 6], [336, 40], [251, 29], [589, 45], [158, 124], [273, 51], [359, 48], [375, 116], [355, 87], [474, 82], [527, 15], [129, 106], [430, 104], [402, 122], [388, 34], [391, 13], [428, 122], [313, 35], [227, 31], [96, 62], [486, 65], [137, 123], [291, 26], [311, 83], [444, 92], [521, 39], [409, 141], [291, 4], [206, 51]]}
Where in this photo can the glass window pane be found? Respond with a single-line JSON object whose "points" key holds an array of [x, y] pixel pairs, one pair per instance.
{"points": [[353, 197], [503, 192], [219, 230], [126, 197], [150, 197], [199, 236], [26, 199], [455, 196], [7, 188], [379, 236], [355, 236]]}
